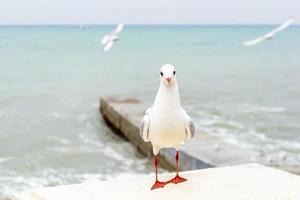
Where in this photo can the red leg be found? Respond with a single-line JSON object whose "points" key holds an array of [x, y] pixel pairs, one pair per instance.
{"points": [[177, 178], [157, 183]]}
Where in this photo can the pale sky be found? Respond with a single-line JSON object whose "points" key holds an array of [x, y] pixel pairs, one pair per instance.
{"points": [[148, 11]]}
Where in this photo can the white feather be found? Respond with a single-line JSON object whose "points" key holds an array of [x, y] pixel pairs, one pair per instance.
{"points": [[270, 34], [108, 45], [254, 41], [105, 39], [168, 122], [118, 29], [284, 25], [145, 124], [108, 40]]}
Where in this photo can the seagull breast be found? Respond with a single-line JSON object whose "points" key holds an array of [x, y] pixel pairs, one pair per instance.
{"points": [[167, 128]]}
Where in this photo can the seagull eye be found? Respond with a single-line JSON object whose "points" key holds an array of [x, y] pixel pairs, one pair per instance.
{"points": [[161, 74], [174, 72]]}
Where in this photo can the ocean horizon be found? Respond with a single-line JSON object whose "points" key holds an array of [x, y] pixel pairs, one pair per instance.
{"points": [[141, 24]]}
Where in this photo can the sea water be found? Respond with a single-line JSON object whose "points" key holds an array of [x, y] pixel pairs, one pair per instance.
{"points": [[51, 78]]}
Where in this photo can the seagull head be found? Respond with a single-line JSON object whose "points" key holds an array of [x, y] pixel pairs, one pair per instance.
{"points": [[168, 74]]}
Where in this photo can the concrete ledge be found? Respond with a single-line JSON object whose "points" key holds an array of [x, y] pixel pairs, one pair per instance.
{"points": [[244, 182]]}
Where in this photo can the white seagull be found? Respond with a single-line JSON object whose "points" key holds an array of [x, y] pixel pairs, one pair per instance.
{"points": [[84, 26], [108, 40], [166, 124], [271, 34]]}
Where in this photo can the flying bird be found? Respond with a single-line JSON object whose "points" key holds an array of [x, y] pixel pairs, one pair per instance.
{"points": [[108, 40], [271, 34], [166, 124], [84, 27]]}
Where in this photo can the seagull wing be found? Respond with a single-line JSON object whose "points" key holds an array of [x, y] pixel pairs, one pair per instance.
{"points": [[284, 25], [254, 41], [189, 126], [270, 34], [105, 39], [108, 45], [144, 125], [118, 29]]}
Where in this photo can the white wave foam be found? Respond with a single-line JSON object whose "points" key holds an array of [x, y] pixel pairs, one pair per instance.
{"points": [[80, 149], [260, 136], [276, 150], [250, 108], [55, 114], [112, 153], [3, 115], [84, 138], [58, 139], [207, 122], [82, 118], [4, 159]]}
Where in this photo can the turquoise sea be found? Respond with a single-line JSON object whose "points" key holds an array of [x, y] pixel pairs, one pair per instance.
{"points": [[51, 78]]}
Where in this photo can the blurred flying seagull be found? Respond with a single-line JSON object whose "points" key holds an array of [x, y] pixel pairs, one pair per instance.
{"points": [[166, 124], [271, 34], [108, 40], [84, 26]]}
